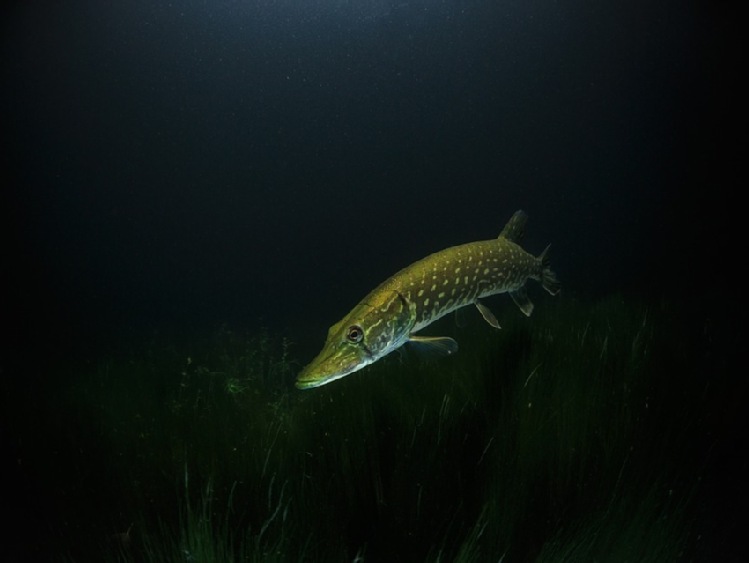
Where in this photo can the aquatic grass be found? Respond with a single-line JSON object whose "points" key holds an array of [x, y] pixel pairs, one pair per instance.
{"points": [[573, 421], [202, 534], [646, 525], [205, 531], [535, 442]]}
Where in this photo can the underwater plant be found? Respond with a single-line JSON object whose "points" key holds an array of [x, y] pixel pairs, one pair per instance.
{"points": [[543, 442]]}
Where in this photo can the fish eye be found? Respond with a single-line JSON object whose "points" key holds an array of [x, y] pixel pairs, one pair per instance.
{"points": [[355, 333]]}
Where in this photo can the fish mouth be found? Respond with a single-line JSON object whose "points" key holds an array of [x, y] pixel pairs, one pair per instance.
{"points": [[313, 382], [316, 374]]}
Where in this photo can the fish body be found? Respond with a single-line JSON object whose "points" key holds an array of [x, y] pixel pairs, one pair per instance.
{"points": [[425, 291]]}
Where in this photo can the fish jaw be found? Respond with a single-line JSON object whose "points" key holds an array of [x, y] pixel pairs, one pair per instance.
{"points": [[380, 324], [336, 360]]}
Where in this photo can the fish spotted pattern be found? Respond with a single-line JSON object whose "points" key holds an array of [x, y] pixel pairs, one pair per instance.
{"points": [[425, 291]]}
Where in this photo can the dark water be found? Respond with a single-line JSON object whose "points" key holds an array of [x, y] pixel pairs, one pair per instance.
{"points": [[172, 167]]}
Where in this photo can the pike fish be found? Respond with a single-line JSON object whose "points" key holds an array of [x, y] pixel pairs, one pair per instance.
{"points": [[392, 314]]}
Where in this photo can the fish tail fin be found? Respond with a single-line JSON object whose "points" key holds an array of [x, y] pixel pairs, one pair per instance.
{"points": [[548, 279]]}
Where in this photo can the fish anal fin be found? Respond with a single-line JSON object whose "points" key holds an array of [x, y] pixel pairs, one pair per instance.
{"points": [[434, 345], [487, 314], [520, 297]]}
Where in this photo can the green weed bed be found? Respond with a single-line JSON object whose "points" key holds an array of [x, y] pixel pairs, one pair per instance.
{"points": [[569, 436]]}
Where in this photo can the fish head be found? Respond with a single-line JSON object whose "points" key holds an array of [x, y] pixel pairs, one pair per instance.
{"points": [[377, 326]]}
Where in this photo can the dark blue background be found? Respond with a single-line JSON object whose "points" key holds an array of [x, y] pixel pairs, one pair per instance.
{"points": [[191, 163], [170, 167]]}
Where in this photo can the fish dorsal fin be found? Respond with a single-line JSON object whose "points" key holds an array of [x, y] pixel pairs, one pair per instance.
{"points": [[434, 345], [515, 227]]}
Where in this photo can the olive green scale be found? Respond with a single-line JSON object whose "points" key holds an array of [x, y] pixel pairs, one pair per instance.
{"points": [[421, 293]]}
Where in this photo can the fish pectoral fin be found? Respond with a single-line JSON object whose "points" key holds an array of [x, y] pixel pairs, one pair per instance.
{"points": [[437, 345], [487, 314], [520, 297]]}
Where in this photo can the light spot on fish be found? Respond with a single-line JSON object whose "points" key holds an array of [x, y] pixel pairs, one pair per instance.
{"points": [[421, 292], [457, 270], [426, 302]]}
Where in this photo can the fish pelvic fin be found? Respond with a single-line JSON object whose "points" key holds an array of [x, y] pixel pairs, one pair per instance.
{"points": [[487, 314], [520, 297], [549, 279]]}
